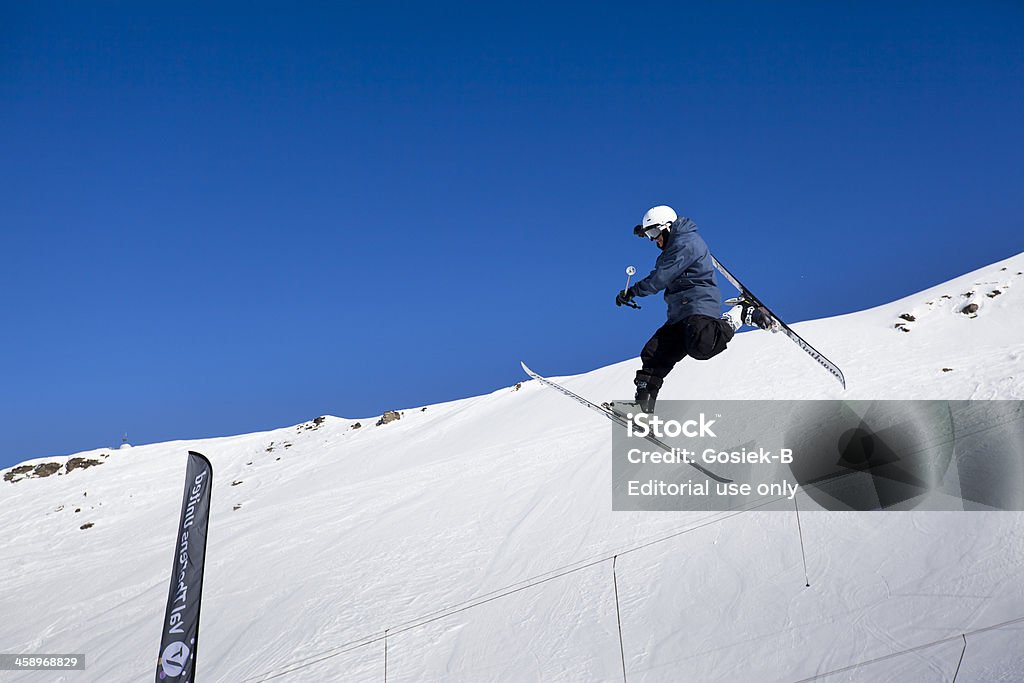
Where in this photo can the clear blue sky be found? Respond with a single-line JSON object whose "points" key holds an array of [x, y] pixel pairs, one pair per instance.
{"points": [[222, 219]]}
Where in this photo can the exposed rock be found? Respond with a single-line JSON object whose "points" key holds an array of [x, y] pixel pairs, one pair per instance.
{"points": [[81, 464], [423, 409], [235, 483], [46, 469], [389, 416], [78, 510], [237, 507], [518, 386], [994, 293], [969, 309], [357, 425], [906, 316], [87, 525], [901, 327], [945, 296], [947, 369], [18, 472], [313, 424]]}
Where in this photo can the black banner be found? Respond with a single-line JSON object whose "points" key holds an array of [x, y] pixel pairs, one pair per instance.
{"points": [[180, 629]]}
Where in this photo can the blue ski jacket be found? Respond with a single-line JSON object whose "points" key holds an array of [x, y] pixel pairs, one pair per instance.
{"points": [[685, 271]]}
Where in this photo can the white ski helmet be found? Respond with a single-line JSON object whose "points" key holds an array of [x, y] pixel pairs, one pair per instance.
{"points": [[656, 219]]}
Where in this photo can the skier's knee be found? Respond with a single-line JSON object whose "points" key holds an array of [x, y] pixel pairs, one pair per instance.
{"points": [[706, 337]]}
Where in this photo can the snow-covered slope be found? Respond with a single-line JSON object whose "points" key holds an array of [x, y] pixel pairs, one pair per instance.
{"points": [[323, 535]]}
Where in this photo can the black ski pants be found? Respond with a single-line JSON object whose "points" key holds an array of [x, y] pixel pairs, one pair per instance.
{"points": [[699, 336]]}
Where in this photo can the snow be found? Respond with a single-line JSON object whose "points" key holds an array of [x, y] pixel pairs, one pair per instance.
{"points": [[323, 536]]}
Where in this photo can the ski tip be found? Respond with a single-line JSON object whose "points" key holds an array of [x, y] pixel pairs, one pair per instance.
{"points": [[527, 369]]}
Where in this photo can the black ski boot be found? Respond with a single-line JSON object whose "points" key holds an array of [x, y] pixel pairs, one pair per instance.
{"points": [[647, 388]]}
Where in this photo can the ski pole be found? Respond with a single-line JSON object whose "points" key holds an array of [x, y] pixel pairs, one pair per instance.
{"points": [[630, 272]]}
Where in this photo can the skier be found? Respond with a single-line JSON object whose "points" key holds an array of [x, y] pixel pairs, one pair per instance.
{"points": [[685, 271]]}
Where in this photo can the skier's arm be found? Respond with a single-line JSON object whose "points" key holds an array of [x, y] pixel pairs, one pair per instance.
{"points": [[667, 268]]}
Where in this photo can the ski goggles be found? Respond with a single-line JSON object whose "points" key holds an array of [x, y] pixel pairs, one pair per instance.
{"points": [[651, 232]]}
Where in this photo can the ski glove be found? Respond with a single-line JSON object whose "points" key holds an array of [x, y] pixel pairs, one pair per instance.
{"points": [[624, 297]]}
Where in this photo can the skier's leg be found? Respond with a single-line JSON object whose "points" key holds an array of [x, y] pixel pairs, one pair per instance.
{"points": [[660, 354], [706, 337]]}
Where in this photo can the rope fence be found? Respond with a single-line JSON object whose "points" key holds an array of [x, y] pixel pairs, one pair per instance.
{"points": [[500, 593], [917, 648], [582, 565]]}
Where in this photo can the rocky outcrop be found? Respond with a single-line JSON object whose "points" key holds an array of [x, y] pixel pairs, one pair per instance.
{"points": [[47, 469], [389, 416], [80, 464], [18, 472], [313, 424]]}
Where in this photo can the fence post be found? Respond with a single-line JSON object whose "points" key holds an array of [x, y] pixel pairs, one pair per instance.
{"points": [[961, 657], [803, 554], [618, 617]]}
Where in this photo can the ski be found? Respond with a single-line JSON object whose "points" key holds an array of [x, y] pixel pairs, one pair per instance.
{"points": [[831, 367], [616, 418]]}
